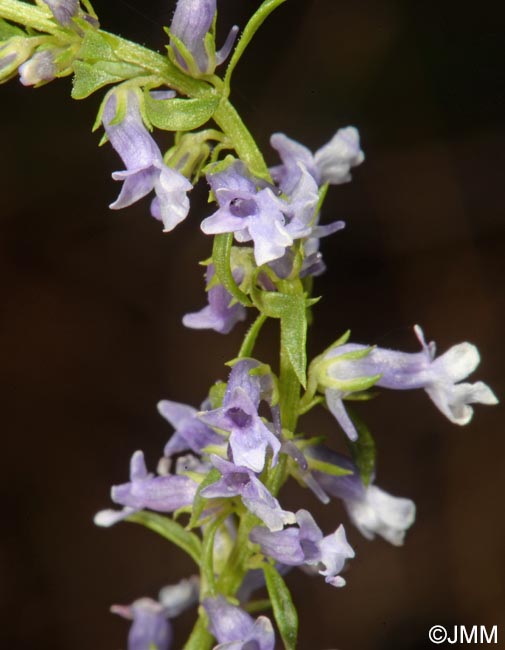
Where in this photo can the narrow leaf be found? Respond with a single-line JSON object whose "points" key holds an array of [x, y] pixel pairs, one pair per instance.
{"points": [[91, 77], [7, 30], [282, 605], [327, 468], [221, 251], [172, 531], [208, 573], [200, 502], [292, 310], [180, 114], [363, 450]]}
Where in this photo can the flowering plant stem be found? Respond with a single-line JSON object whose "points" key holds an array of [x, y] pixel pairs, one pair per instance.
{"points": [[226, 463]]}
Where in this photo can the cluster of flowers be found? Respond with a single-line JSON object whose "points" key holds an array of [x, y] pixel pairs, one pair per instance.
{"points": [[237, 442], [236, 437]]}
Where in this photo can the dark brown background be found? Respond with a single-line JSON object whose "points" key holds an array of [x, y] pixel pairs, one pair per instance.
{"points": [[92, 300]]}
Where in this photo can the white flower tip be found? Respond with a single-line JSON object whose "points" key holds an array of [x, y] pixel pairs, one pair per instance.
{"points": [[105, 518], [336, 581], [460, 361], [288, 518], [483, 394]]}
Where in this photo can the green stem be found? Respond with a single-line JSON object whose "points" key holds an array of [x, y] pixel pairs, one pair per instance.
{"points": [[250, 338], [231, 123], [29, 15], [200, 638], [231, 579]]}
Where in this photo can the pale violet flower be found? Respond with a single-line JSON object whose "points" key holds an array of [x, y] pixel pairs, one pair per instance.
{"points": [[249, 213], [235, 629], [191, 22], [249, 436], [63, 10], [241, 481], [150, 627], [372, 511], [145, 169], [219, 315], [330, 164], [190, 432], [306, 545], [14, 52], [440, 377], [39, 68], [144, 490]]}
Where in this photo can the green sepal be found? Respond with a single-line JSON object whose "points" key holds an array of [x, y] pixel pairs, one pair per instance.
{"points": [[183, 51], [306, 407], [255, 606], [170, 530], [361, 397], [363, 450], [97, 46], [282, 605], [90, 77], [350, 385], [200, 502], [178, 114], [208, 587], [292, 311], [221, 251], [7, 30], [327, 468], [216, 394]]}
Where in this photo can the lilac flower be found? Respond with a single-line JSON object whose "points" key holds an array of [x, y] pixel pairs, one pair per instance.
{"points": [[190, 431], [150, 629], [63, 10], [234, 629], [191, 22], [145, 169], [439, 377], [330, 164], [219, 314], [41, 67], [241, 481], [160, 493], [248, 213], [372, 511], [307, 545], [249, 436], [14, 52]]}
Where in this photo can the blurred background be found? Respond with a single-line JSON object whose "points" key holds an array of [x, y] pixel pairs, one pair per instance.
{"points": [[91, 334]]}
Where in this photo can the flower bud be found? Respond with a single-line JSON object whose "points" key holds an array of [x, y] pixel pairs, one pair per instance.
{"points": [[13, 53], [40, 68], [63, 10]]}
